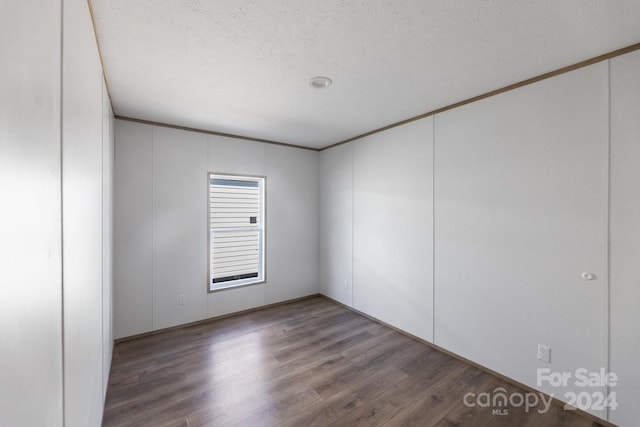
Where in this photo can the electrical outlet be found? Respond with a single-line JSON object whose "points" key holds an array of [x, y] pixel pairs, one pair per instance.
{"points": [[181, 299], [346, 284], [544, 353]]}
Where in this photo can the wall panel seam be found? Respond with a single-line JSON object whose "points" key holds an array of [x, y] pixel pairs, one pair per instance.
{"points": [[61, 138], [153, 236], [433, 234], [353, 209], [608, 243]]}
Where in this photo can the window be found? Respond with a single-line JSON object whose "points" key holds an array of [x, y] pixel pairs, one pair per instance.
{"points": [[236, 231]]}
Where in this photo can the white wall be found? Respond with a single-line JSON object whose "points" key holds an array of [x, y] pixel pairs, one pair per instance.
{"points": [[55, 167], [377, 226], [179, 217], [161, 225], [393, 227], [82, 196], [336, 223], [30, 214], [133, 230], [625, 235], [520, 214], [293, 225], [521, 211], [107, 236]]}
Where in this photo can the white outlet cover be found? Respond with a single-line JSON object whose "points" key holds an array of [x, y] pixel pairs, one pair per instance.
{"points": [[544, 353]]}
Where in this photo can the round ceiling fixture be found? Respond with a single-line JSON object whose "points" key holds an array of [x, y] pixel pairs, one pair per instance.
{"points": [[320, 82]]}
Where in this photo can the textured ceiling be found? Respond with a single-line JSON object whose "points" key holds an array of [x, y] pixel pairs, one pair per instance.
{"points": [[242, 66]]}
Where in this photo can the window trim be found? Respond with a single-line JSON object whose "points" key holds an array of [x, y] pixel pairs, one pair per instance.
{"points": [[262, 278]]}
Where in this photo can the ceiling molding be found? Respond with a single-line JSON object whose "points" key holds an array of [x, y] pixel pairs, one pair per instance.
{"points": [[100, 55], [563, 70], [242, 69], [209, 132]]}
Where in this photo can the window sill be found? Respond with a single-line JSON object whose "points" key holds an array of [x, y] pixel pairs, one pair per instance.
{"points": [[234, 286]]}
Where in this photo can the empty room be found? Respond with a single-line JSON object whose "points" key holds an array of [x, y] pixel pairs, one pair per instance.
{"points": [[319, 213]]}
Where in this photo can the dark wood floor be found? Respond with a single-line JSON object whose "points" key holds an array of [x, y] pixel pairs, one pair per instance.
{"points": [[307, 363]]}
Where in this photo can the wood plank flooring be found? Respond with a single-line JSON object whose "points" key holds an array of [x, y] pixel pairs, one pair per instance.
{"points": [[306, 363]]}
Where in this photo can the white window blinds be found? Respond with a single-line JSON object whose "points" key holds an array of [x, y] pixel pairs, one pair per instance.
{"points": [[236, 235]]}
